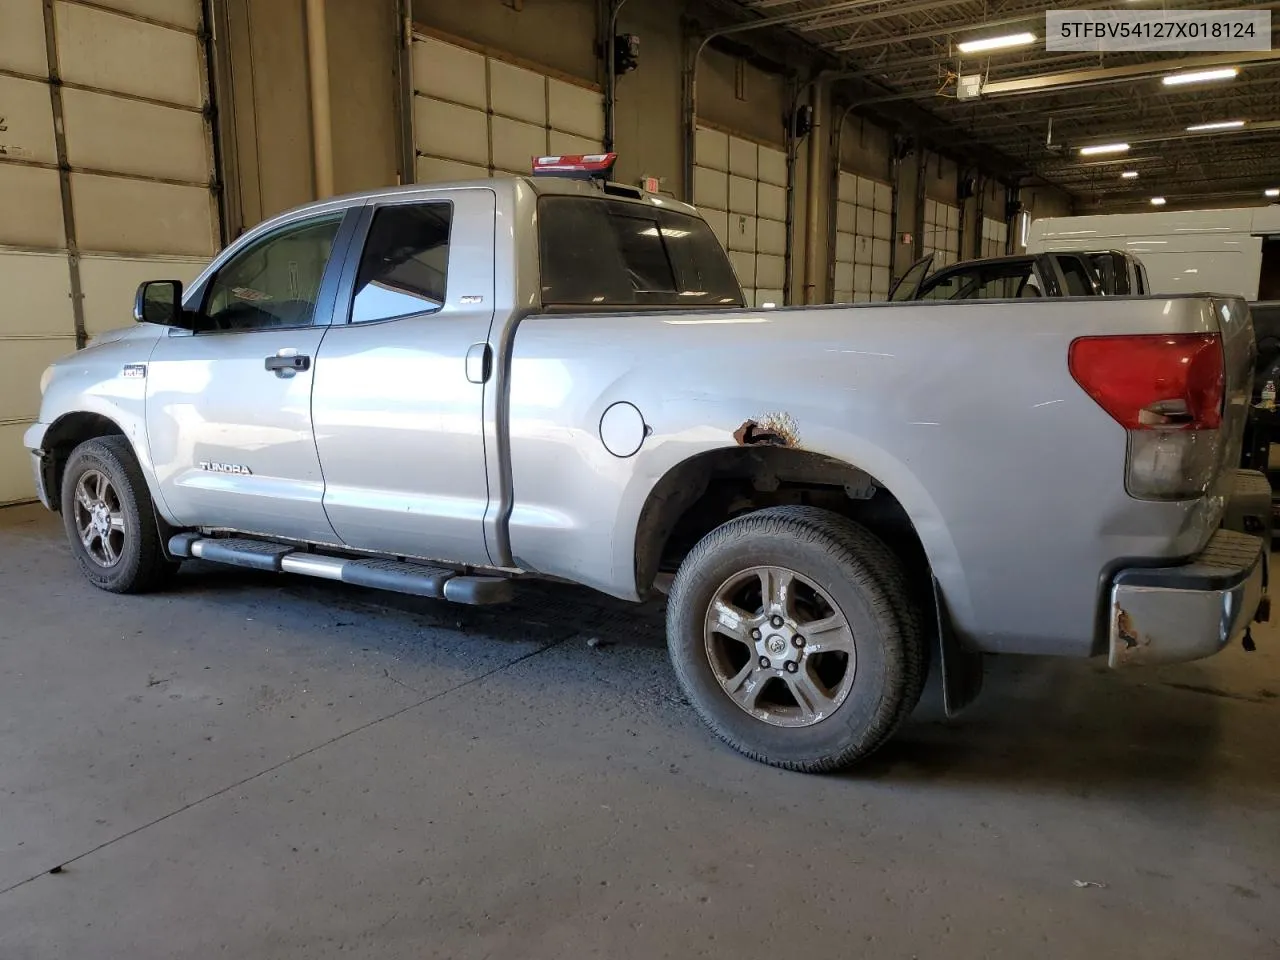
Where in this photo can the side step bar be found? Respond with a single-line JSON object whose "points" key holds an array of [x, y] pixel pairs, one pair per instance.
{"points": [[417, 579]]}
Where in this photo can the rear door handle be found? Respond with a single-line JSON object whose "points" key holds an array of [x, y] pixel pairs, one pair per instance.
{"points": [[287, 364]]}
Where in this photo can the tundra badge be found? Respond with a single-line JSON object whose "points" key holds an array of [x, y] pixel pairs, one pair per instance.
{"points": [[214, 467]]}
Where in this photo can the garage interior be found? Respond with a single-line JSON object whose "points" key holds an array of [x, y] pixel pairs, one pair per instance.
{"points": [[282, 768]]}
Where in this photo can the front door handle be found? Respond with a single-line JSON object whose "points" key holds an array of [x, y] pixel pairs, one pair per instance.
{"points": [[286, 364], [479, 362]]}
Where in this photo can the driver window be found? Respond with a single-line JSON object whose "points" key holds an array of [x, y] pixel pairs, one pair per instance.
{"points": [[275, 282]]}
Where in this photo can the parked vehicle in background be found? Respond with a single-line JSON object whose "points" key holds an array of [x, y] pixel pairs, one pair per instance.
{"points": [[388, 390], [1000, 278]]}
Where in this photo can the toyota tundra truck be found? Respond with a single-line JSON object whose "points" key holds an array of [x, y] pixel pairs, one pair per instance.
{"points": [[443, 390]]}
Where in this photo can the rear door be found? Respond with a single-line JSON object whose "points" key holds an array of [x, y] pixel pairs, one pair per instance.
{"points": [[400, 380]]}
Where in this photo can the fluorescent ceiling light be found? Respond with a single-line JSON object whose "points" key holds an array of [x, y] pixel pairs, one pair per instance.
{"points": [[1199, 76], [1157, 201], [1220, 125], [1129, 175], [997, 43], [1274, 192], [1104, 148]]}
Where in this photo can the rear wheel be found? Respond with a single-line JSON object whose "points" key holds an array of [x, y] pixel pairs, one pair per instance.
{"points": [[110, 522], [793, 635]]}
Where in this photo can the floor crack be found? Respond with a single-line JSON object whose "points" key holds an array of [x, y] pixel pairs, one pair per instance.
{"points": [[59, 867]]}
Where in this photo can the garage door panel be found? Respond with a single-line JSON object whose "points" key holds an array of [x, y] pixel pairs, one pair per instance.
{"points": [[571, 145], [718, 220], [37, 295], [743, 158], [744, 265], [575, 109], [129, 136], [846, 217], [710, 188], [451, 131], [771, 271], [109, 285], [517, 92], [771, 237], [106, 50], [118, 215], [28, 116], [844, 247], [883, 226], [862, 278], [866, 222], [31, 199], [712, 149], [844, 276], [848, 190], [953, 216], [773, 166], [22, 37], [866, 193], [180, 13], [742, 232], [742, 195], [884, 196], [880, 282], [862, 249], [515, 144], [17, 482], [435, 170], [843, 296], [772, 202], [449, 72], [881, 252], [25, 361], [766, 297]]}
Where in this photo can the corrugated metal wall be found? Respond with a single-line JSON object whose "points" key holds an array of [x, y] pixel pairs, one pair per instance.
{"points": [[105, 180]]}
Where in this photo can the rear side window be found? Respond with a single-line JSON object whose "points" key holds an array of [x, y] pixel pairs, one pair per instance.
{"points": [[405, 263], [596, 252], [1076, 274]]}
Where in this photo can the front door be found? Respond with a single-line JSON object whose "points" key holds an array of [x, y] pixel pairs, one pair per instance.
{"points": [[229, 401], [399, 394]]}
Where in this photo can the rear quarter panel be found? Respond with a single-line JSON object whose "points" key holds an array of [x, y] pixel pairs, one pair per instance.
{"points": [[966, 412]]}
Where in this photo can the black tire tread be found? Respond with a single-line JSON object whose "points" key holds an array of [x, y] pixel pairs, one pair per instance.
{"points": [[148, 569], [878, 573]]}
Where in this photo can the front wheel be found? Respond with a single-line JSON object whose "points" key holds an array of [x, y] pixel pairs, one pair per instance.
{"points": [[110, 522], [793, 634]]}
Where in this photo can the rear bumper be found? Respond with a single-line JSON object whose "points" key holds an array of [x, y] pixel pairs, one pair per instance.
{"points": [[1194, 610]]}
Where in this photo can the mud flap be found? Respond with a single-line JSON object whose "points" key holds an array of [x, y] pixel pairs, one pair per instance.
{"points": [[961, 667]]}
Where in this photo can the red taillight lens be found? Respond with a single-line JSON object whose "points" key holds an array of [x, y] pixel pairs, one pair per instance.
{"points": [[1162, 381]]}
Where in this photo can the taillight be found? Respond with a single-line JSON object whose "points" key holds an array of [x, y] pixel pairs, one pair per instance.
{"points": [[1167, 390]]}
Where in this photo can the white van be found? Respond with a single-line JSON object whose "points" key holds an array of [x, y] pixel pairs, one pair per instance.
{"points": [[1218, 251]]}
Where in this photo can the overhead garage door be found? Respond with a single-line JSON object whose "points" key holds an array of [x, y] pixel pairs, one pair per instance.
{"points": [[995, 234], [476, 116], [133, 199], [864, 239], [941, 232], [740, 187]]}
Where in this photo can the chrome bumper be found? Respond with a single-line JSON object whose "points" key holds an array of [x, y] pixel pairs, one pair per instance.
{"points": [[1194, 610]]}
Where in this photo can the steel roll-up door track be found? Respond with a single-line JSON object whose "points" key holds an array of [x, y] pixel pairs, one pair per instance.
{"points": [[864, 239], [477, 115], [106, 179], [740, 187]]}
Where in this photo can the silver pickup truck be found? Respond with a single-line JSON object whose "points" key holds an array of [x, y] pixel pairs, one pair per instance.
{"points": [[441, 390]]}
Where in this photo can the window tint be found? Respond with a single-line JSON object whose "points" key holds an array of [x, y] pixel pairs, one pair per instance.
{"points": [[1079, 281], [600, 252], [1003, 281], [275, 281], [405, 264]]}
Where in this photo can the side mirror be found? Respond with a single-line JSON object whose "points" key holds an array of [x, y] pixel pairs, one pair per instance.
{"points": [[159, 301]]}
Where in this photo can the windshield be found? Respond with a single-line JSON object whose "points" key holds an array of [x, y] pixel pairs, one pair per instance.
{"points": [[598, 252]]}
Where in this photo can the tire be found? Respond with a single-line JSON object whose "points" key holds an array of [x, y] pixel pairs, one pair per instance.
{"points": [[123, 553], [841, 714]]}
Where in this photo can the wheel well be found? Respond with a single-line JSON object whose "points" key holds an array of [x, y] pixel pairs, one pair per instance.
{"points": [[709, 489], [65, 435]]}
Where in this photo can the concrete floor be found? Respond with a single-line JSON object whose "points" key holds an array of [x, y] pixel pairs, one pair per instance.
{"points": [[253, 767]]}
